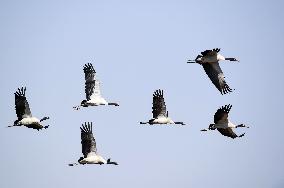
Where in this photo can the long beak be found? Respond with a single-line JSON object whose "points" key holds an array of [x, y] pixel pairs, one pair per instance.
{"points": [[73, 164], [143, 122], [180, 123], [77, 107], [191, 61]]}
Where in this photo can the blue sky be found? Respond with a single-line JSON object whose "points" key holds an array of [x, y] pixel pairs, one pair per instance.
{"points": [[136, 48]]}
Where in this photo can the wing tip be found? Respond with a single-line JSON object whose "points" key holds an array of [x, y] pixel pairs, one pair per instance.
{"points": [[87, 127], [226, 89], [21, 91], [88, 67]]}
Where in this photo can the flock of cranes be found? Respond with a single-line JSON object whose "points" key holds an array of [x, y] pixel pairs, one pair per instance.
{"points": [[209, 59]]}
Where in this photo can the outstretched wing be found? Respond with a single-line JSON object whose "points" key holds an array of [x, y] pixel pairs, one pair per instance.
{"points": [[91, 85], [159, 105], [228, 132], [221, 116], [21, 104], [217, 77], [87, 139]]}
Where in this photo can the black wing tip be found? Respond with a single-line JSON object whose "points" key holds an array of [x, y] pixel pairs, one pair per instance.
{"points": [[158, 93], [205, 52], [226, 108], [88, 67], [21, 91], [216, 49], [226, 89], [87, 127]]}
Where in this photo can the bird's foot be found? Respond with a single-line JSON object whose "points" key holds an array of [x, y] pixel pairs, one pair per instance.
{"points": [[43, 119]]}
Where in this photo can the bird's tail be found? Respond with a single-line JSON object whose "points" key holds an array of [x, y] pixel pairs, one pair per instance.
{"points": [[46, 126]]}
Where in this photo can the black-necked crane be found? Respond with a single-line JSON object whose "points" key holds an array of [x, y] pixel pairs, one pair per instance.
{"points": [[24, 114], [89, 148], [209, 59], [159, 110], [223, 124], [92, 89]]}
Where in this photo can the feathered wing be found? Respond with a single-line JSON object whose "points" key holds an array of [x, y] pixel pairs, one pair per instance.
{"points": [[87, 139], [217, 77], [221, 116], [228, 132], [21, 104], [210, 52], [159, 105], [91, 85]]}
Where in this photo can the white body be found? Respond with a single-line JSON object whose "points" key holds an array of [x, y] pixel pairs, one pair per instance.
{"points": [[97, 100], [163, 120], [93, 158], [28, 121], [224, 125]]}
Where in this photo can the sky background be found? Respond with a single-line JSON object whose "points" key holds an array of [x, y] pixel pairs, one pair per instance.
{"points": [[136, 48]]}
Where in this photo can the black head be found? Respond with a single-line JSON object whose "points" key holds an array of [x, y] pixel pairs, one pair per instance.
{"points": [[16, 122], [111, 162], [84, 103], [80, 159], [211, 127]]}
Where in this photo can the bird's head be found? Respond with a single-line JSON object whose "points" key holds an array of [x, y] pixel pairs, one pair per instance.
{"points": [[80, 159], [212, 127], [84, 103], [111, 162], [16, 122]]}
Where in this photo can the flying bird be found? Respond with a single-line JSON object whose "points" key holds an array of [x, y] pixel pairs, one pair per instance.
{"points": [[24, 114], [159, 110], [223, 124], [209, 59], [92, 89], [89, 148]]}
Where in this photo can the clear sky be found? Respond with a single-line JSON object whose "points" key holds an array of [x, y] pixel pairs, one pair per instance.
{"points": [[137, 47]]}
